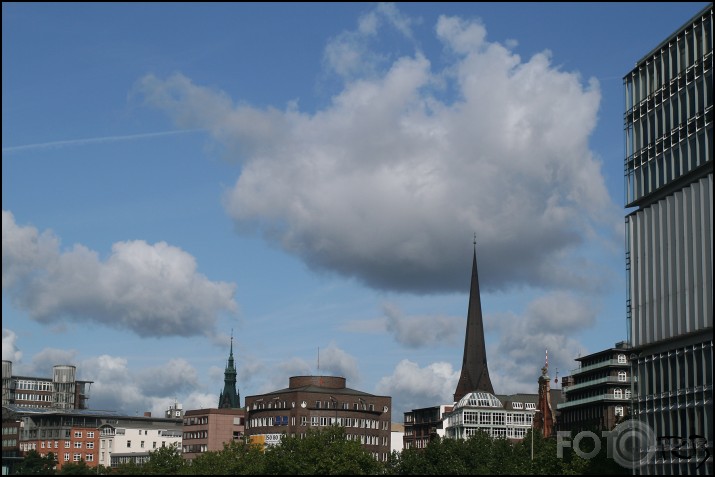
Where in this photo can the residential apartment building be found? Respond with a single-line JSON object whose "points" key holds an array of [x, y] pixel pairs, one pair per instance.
{"points": [[61, 391], [209, 429], [314, 402], [668, 125], [424, 425], [598, 393]]}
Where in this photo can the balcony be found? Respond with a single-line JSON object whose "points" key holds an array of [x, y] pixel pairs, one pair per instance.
{"points": [[592, 399], [602, 364], [608, 379]]}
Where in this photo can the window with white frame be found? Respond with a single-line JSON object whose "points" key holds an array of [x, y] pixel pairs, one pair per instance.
{"points": [[622, 376], [618, 393], [619, 411], [622, 359], [530, 406]]}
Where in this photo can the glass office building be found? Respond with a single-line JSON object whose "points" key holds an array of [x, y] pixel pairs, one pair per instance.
{"points": [[668, 127]]}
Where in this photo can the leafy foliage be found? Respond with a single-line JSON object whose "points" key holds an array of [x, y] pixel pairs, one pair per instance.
{"points": [[35, 464]]}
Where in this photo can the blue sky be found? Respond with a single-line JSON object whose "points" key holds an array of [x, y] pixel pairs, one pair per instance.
{"points": [[309, 177]]}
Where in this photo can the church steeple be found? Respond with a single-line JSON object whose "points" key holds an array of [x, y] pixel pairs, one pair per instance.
{"points": [[229, 397], [475, 375]]}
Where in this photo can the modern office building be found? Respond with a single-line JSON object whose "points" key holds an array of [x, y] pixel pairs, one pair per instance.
{"points": [[598, 391], [668, 126], [61, 391], [313, 402]]}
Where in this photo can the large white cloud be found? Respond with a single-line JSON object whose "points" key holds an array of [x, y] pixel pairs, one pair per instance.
{"points": [[413, 387], [389, 181], [153, 290]]}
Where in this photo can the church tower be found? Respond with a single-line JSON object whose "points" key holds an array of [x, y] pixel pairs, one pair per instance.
{"points": [[475, 375], [229, 398]]}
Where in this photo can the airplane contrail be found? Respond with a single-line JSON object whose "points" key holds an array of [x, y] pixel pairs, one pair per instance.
{"points": [[94, 140]]}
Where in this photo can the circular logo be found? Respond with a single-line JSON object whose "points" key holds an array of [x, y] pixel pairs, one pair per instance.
{"points": [[633, 444]]}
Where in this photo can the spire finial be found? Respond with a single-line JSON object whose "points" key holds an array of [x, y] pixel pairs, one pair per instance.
{"points": [[475, 239]]}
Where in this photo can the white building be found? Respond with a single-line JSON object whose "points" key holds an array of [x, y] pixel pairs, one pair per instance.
{"points": [[132, 441], [483, 411]]}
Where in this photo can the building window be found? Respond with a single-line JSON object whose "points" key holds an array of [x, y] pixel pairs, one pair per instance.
{"points": [[628, 394], [90, 445], [530, 405], [517, 405], [129, 444], [142, 444], [90, 435], [619, 411], [89, 457], [622, 376], [77, 457], [153, 445], [622, 359], [67, 457], [67, 444], [77, 445], [617, 393], [78, 434]]}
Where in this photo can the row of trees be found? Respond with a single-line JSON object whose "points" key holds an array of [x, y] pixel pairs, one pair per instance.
{"points": [[327, 451]]}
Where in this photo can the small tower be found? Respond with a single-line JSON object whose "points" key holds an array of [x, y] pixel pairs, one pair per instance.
{"points": [[544, 419], [229, 398]]}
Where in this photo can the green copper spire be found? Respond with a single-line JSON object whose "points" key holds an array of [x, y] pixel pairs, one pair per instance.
{"points": [[229, 398]]}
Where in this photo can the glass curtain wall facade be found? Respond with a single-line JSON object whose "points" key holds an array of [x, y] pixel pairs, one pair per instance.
{"points": [[668, 127]]}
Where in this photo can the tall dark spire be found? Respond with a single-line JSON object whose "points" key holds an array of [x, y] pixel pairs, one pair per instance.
{"points": [[229, 397], [475, 375]]}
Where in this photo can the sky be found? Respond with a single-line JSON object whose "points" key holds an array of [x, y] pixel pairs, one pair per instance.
{"points": [[309, 179]]}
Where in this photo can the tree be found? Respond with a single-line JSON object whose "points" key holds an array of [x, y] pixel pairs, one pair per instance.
{"points": [[77, 468], [35, 464], [322, 452], [164, 461], [236, 458]]}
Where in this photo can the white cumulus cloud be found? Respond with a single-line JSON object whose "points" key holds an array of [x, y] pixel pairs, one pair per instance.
{"points": [[388, 182], [152, 290]]}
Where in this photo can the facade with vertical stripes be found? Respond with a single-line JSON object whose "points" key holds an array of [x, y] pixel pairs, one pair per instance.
{"points": [[668, 127]]}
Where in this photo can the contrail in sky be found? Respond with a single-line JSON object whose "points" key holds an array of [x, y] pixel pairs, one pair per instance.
{"points": [[94, 140]]}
